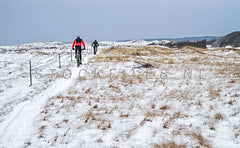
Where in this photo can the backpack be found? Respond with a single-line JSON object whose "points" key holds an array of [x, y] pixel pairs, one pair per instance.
{"points": [[78, 40]]}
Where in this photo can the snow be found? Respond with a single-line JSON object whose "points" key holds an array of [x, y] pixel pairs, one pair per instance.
{"points": [[137, 111], [228, 46]]}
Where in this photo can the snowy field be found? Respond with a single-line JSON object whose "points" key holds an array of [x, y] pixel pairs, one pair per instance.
{"points": [[128, 95]]}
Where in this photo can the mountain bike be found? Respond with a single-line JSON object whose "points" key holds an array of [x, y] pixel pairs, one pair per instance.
{"points": [[79, 57]]}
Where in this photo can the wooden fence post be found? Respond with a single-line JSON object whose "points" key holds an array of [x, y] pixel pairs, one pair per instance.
{"points": [[30, 65], [59, 59]]}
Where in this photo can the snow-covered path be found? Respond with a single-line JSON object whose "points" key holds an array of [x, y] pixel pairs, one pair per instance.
{"points": [[19, 125]]}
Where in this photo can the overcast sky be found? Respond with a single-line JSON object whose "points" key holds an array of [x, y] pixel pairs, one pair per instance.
{"points": [[25, 21]]}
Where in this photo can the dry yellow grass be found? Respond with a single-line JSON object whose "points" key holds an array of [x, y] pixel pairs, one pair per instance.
{"points": [[99, 112], [202, 141], [45, 53], [128, 54], [139, 51], [219, 116], [231, 49], [169, 144], [194, 59], [158, 56], [176, 115], [193, 48]]}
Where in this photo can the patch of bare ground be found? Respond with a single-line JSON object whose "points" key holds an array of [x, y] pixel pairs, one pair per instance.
{"points": [[45, 53], [182, 94], [213, 92], [150, 115], [175, 116], [169, 144], [201, 140], [194, 59], [124, 136], [219, 116]]}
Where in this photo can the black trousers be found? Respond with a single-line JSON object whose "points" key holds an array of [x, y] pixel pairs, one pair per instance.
{"points": [[78, 49], [95, 49]]}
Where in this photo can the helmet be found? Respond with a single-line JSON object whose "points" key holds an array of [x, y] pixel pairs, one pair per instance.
{"points": [[78, 36]]}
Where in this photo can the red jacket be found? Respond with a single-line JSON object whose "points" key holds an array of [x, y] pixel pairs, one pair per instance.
{"points": [[78, 44]]}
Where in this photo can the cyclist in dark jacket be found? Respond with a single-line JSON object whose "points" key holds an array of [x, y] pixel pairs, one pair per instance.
{"points": [[78, 42], [95, 46]]}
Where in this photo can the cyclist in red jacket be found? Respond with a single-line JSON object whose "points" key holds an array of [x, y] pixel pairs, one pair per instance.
{"points": [[78, 42]]}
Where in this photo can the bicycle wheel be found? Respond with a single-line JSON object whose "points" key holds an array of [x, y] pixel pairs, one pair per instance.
{"points": [[78, 59]]}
